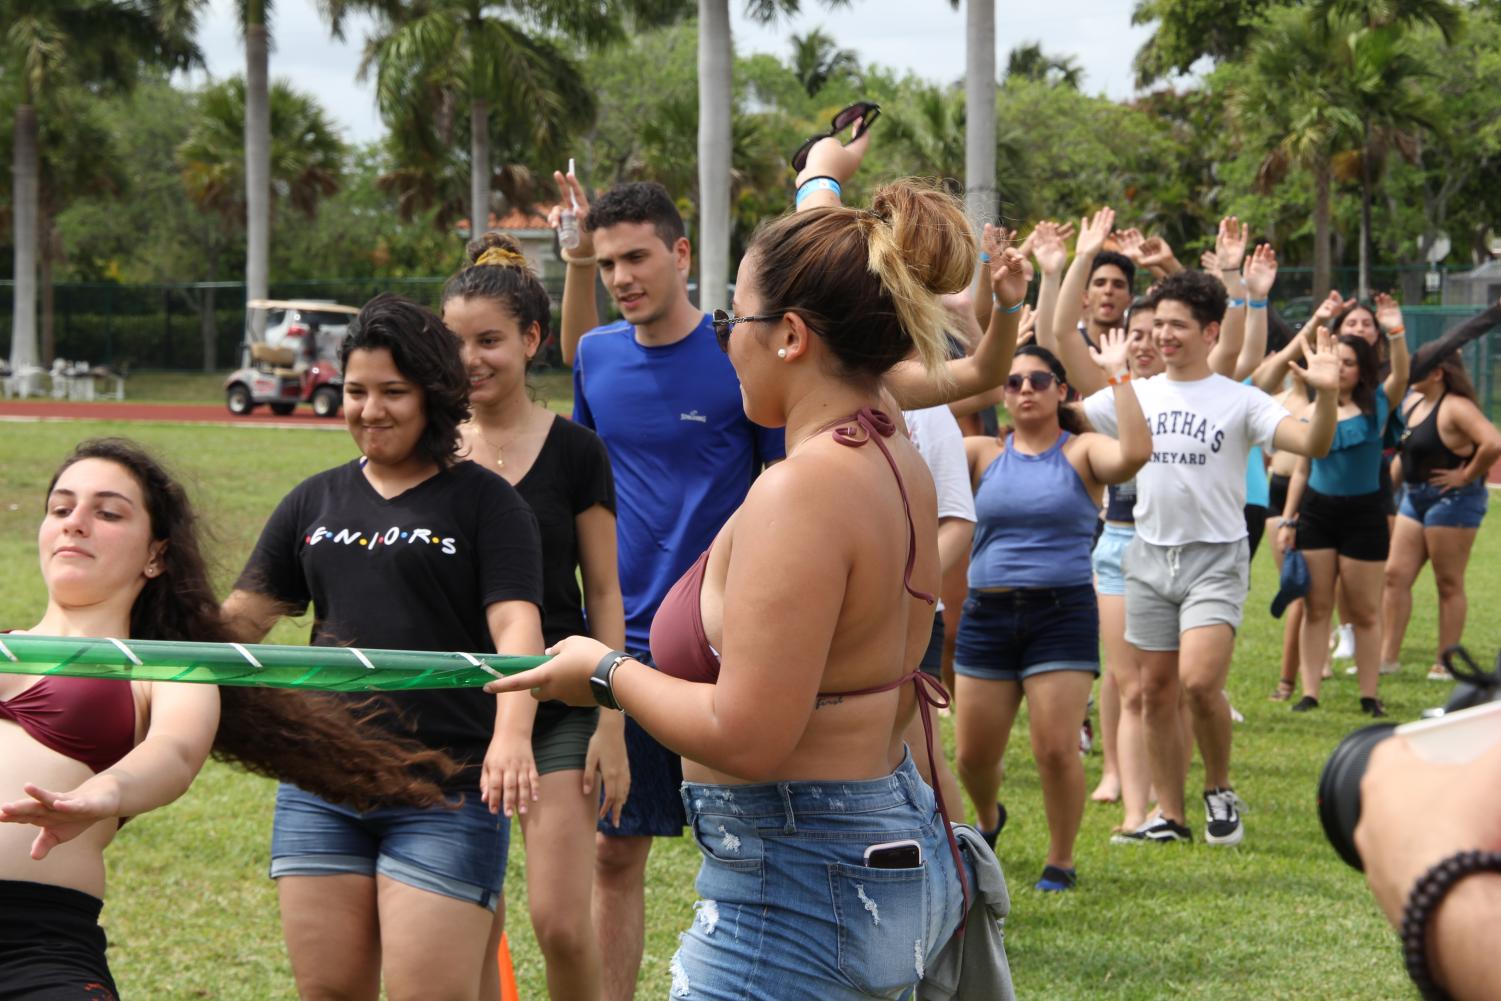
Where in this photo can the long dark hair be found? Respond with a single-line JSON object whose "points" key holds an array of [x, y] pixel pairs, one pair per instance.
{"points": [[315, 741], [1457, 377], [1069, 418], [1364, 393], [426, 352]]}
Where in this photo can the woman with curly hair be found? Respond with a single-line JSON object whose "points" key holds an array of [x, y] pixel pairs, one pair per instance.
{"points": [[120, 557]]}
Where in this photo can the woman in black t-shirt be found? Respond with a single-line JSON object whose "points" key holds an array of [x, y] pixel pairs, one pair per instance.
{"points": [[500, 312], [406, 548]]}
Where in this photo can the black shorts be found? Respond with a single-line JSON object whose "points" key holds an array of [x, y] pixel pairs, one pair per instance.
{"points": [[1355, 527], [51, 945], [1255, 526], [655, 806], [1389, 492], [932, 657], [1277, 495]]}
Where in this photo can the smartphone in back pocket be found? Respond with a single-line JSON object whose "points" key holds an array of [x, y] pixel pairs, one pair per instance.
{"points": [[894, 855]]}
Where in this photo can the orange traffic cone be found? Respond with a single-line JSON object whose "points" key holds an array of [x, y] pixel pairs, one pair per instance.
{"points": [[508, 991]]}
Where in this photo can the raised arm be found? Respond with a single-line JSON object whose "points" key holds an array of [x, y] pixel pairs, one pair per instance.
{"points": [[1314, 438], [1268, 375], [1389, 320], [1260, 275], [1116, 460], [1063, 338], [580, 312], [993, 240], [1050, 251], [1229, 252], [1158, 257]]}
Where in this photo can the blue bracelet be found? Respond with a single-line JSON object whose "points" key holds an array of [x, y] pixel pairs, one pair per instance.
{"points": [[813, 184], [1236, 303], [1013, 309], [1257, 304], [984, 257]]}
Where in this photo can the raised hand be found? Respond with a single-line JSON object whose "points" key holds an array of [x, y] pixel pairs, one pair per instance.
{"points": [[1009, 276], [1261, 271], [1026, 326], [1092, 232], [1388, 312], [1230, 243], [1110, 356], [1333, 305], [570, 188], [1209, 262], [1048, 247], [1129, 242], [831, 158], [1323, 363], [994, 239], [1157, 255]]}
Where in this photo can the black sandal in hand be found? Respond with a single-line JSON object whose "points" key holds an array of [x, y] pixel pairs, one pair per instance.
{"points": [[865, 112]]}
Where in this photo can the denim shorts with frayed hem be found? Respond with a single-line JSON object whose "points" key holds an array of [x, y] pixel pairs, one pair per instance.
{"points": [[1013, 635], [1433, 507], [788, 908], [458, 853]]}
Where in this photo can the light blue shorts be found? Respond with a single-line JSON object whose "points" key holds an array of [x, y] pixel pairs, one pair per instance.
{"points": [[1109, 578], [788, 908]]}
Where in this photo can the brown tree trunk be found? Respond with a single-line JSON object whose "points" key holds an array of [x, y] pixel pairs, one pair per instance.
{"points": [[47, 256], [1321, 261]]}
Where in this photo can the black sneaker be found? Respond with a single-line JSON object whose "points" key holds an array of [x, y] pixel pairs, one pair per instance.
{"points": [[1056, 879], [995, 832], [1372, 707], [1222, 824], [1304, 704], [1154, 829]]}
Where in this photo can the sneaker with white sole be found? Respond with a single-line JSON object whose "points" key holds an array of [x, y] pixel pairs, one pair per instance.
{"points": [[1222, 824], [1156, 829], [1439, 672], [1344, 646]]}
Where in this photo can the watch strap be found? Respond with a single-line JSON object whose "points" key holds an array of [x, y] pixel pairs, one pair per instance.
{"points": [[600, 681]]}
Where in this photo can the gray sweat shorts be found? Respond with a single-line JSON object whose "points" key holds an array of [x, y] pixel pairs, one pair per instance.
{"points": [[1172, 589]]}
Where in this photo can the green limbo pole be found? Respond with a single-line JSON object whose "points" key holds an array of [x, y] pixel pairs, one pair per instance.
{"points": [[325, 668]]}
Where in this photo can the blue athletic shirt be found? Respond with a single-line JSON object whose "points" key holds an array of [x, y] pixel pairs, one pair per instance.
{"points": [[1034, 521], [681, 448]]}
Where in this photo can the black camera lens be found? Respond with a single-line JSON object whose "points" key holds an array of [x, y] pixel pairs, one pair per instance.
{"points": [[1339, 788]]}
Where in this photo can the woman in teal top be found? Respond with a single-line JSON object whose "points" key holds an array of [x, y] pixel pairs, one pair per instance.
{"points": [[1336, 506]]}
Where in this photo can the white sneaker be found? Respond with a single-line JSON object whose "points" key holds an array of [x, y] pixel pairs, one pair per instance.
{"points": [[1222, 824], [1344, 648], [1439, 673]]}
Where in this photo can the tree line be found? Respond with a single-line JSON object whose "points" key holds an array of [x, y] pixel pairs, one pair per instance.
{"points": [[1349, 131]]}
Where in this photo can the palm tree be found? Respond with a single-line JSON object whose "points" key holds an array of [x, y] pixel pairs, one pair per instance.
{"points": [[980, 195], [817, 60], [99, 43], [1029, 62], [494, 59], [304, 162]]}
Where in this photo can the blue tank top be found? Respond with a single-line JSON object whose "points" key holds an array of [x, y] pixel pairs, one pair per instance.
{"points": [[1353, 465], [1120, 502], [1034, 522]]}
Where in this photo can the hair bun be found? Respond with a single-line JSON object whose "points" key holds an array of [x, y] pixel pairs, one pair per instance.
{"points": [[931, 232], [496, 249]]}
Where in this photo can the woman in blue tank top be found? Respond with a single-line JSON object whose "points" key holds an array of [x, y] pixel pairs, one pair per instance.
{"points": [[1030, 626]]}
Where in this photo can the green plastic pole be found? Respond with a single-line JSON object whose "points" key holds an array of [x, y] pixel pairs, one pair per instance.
{"points": [[325, 668]]}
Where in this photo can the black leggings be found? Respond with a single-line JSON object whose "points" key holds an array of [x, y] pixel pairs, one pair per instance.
{"points": [[51, 945]]}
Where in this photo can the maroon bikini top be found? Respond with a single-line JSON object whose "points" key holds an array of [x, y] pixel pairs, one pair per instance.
{"points": [[91, 720], [680, 648]]}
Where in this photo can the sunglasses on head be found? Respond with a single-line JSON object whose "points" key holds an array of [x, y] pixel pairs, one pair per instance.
{"points": [[724, 322], [865, 112], [1039, 380]]}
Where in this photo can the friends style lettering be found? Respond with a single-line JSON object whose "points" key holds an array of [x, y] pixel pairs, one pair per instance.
{"points": [[395, 535]]}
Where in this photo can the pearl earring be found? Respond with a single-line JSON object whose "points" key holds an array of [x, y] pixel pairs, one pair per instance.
{"points": [[781, 352]]}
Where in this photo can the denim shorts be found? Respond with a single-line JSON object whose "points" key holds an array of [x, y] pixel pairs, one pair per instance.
{"points": [[932, 657], [454, 853], [1012, 635], [1108, 576], [789, 910], [654, 809], [1435, 508]]}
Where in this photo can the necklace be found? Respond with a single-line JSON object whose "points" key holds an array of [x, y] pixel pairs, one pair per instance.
{"points": [[500, 450]]}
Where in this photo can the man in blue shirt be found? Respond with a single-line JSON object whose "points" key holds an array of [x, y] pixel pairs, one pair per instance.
{"points": [[661, 394]]}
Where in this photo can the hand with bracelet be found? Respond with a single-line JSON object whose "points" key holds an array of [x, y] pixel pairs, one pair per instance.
{"points": [[1414, 816], [829, 166]]}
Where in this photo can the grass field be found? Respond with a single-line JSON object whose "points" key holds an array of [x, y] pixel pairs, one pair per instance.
{"points": [[191, 914], [158, 386]]}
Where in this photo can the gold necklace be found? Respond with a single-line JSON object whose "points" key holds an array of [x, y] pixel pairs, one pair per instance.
{"points": [[500, 450]]}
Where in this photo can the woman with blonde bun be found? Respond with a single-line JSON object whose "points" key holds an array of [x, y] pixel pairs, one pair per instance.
{"points": [[787, 656]]}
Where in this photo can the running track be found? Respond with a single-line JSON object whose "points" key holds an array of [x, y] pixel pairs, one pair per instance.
{"points": [[204, 413]]}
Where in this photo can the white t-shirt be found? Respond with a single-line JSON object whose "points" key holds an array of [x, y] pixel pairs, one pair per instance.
{"points": [[936, 436], [1194, 487]]}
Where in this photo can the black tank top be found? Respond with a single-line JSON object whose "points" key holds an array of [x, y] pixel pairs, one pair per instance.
{"points": [[1423, 450]]}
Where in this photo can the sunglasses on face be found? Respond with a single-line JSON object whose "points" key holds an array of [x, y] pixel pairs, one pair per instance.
{"points": [[864, 111], [724, 323], [1040, 381]]}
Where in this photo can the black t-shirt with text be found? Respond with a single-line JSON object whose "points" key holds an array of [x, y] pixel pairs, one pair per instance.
{"points": [[412, 572]]}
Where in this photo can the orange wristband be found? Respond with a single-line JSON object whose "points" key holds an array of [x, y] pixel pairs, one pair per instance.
{"points": [[1119, 380]]}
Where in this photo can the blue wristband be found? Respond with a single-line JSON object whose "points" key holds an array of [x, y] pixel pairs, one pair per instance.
{"points": [[1257, 303], [1236, 303], [813, 184], [984, 257], [1013, 309]]}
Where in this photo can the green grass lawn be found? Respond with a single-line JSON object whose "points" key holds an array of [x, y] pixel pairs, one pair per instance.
{"points": [[191, 914], [157, 386]]}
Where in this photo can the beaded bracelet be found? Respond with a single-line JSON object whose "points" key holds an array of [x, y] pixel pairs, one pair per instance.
{"points": [[1427, 893]]}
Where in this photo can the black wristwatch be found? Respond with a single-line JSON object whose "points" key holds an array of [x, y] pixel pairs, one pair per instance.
{"points": [[599, 682]]}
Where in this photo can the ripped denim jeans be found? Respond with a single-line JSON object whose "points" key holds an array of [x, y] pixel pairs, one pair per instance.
{"points": [[789, 911]]}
